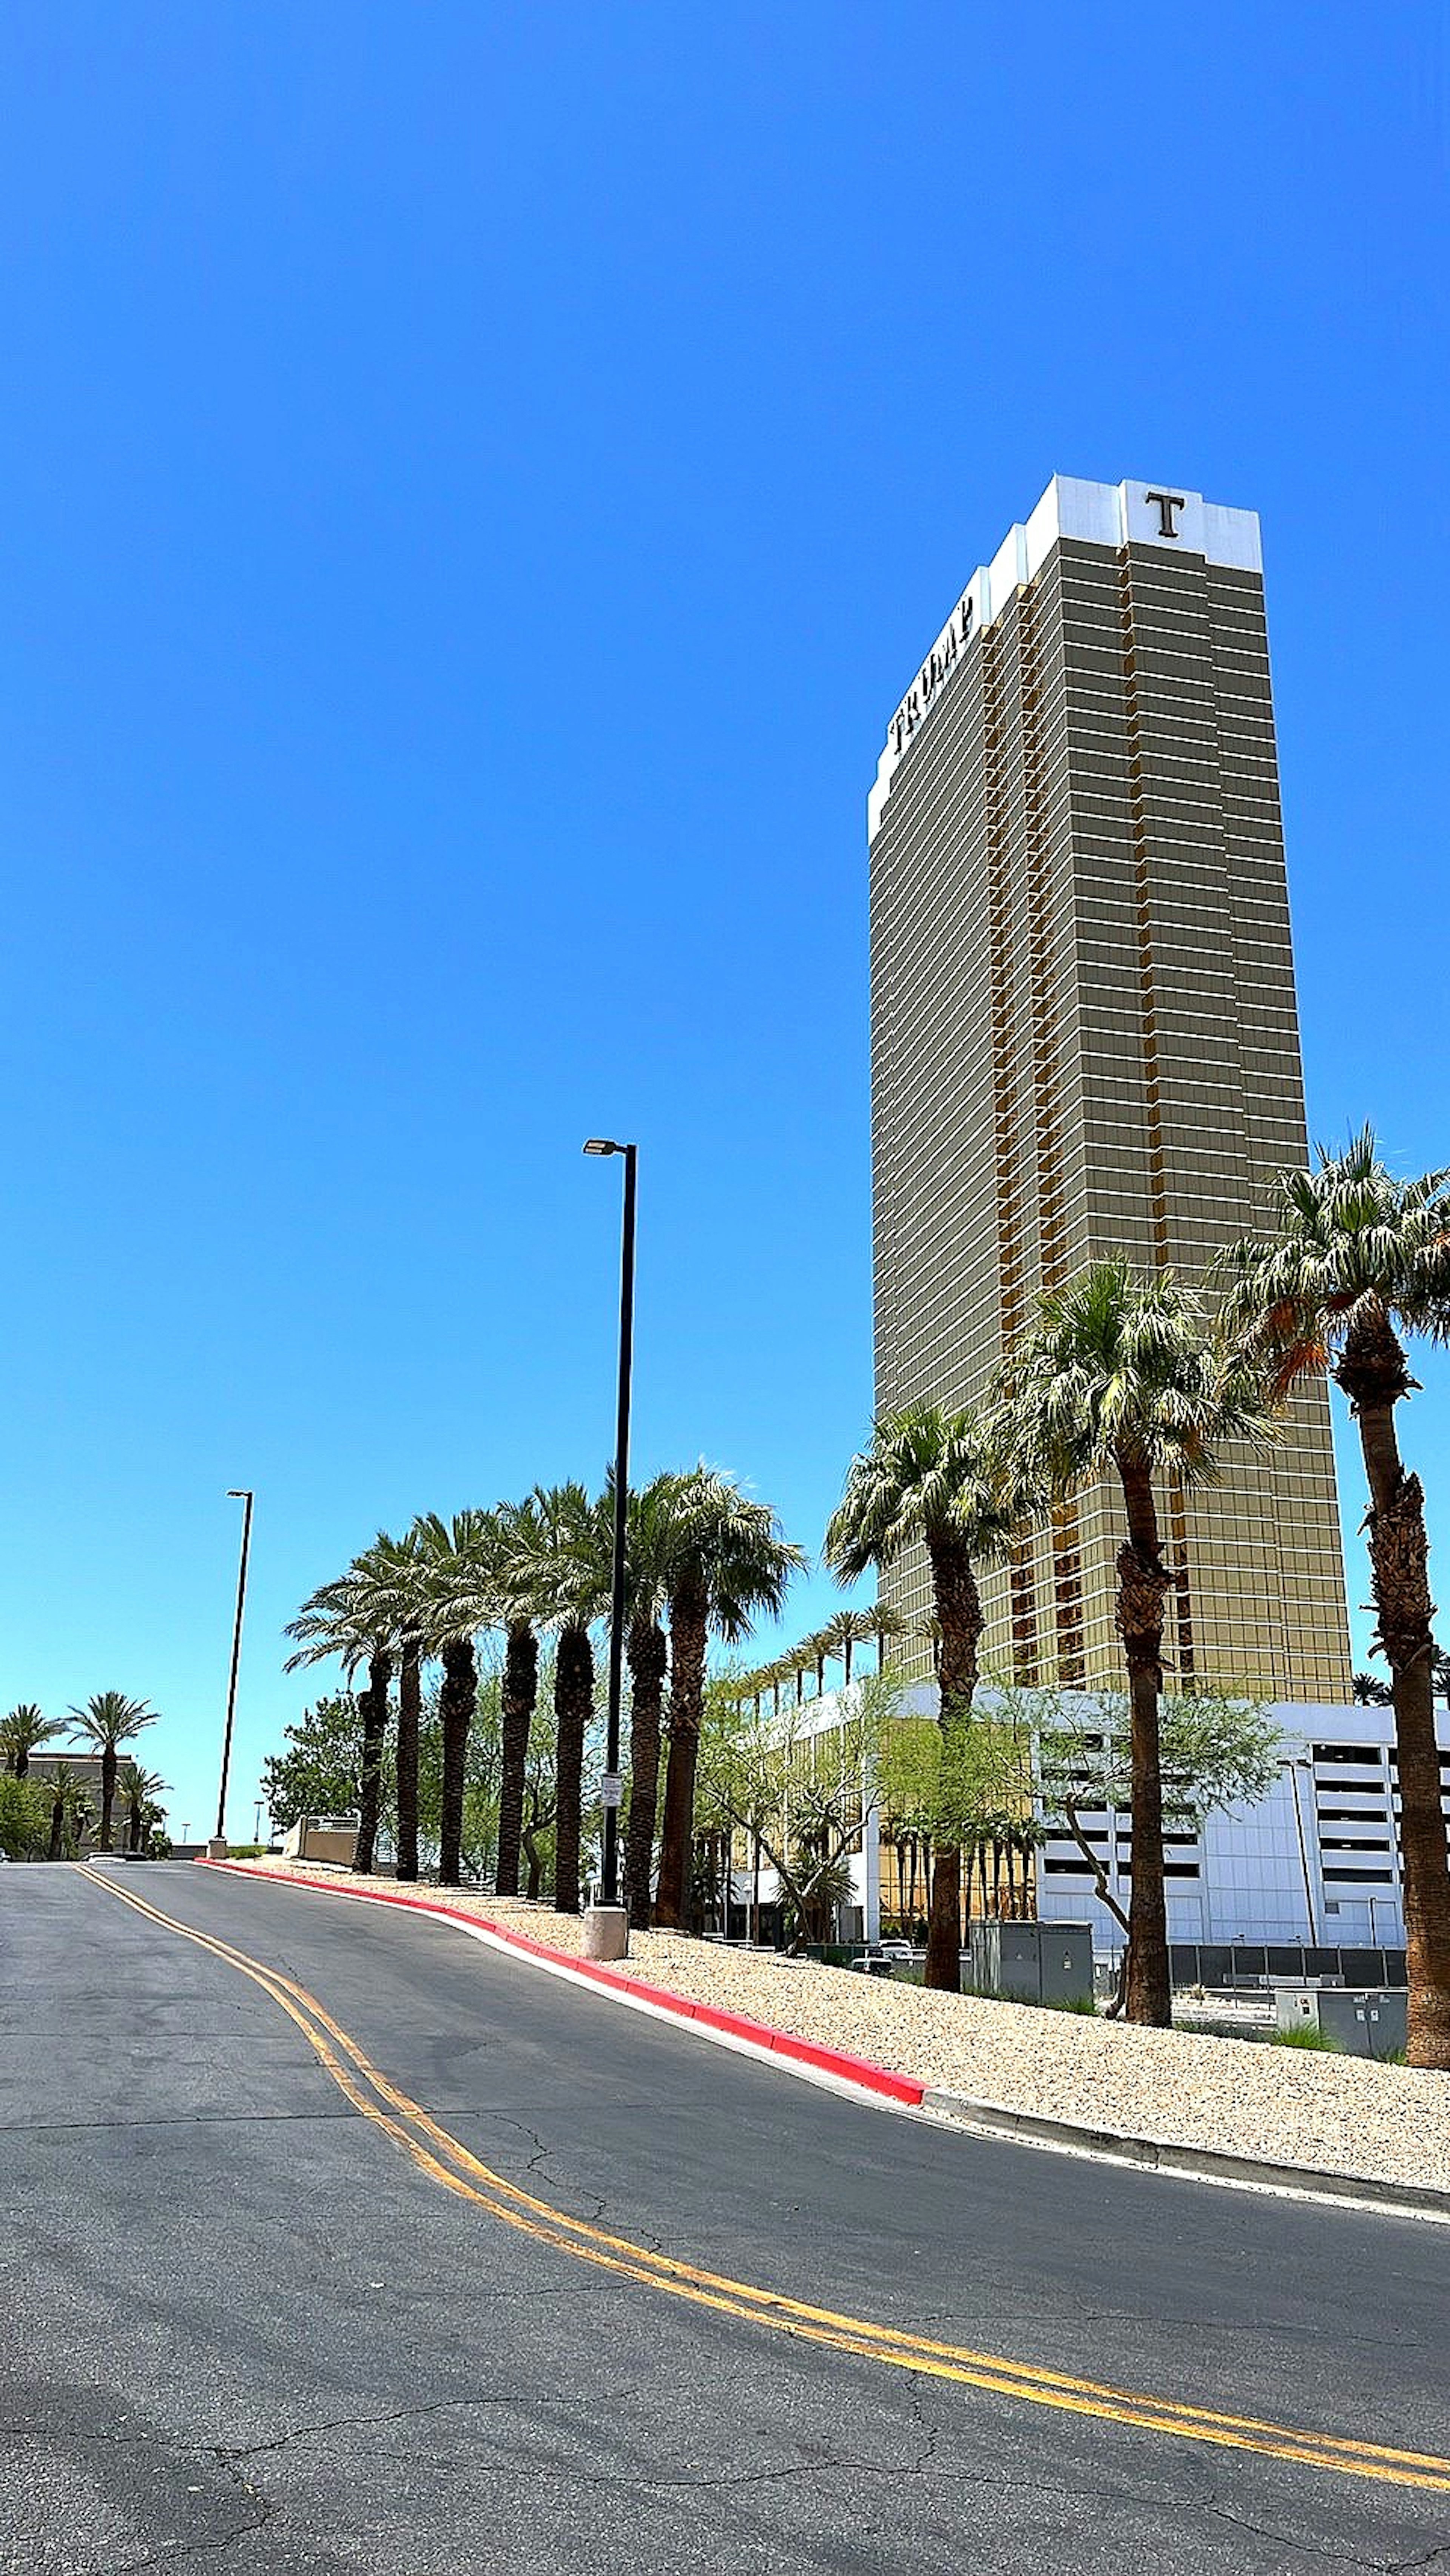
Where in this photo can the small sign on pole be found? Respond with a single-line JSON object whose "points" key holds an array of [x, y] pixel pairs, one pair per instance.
{"points": [[610, 1789]]}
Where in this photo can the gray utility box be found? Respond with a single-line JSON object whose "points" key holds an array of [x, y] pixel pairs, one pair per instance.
{"points": [[1367, 2022], [1033, 1963]]}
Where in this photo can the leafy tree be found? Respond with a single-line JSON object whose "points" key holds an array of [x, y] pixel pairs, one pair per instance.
{"points": [[937, 1479], [799, 1796], [972, 1788], [1216, 1751], [1125, 1376], [1357, 1263], [108, 1721], [24, 1731], [732, 1563], [24, 1818], [320, 1772]]}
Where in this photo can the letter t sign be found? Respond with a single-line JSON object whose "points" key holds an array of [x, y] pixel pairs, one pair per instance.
{"points": [[1167, 502]]}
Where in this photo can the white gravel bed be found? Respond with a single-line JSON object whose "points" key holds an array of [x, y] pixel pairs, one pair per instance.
{"points": [[1338, 2114]]}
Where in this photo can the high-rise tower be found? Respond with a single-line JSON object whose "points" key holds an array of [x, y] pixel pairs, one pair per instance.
{"points": [[1084, 1037]]}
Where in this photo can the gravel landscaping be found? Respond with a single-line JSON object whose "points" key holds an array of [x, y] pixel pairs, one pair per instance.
{"points": [[1336, 2114]]}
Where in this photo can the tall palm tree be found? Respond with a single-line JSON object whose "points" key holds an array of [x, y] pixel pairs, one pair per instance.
{"points": [[844, 1633], [1357, 1262], [108, 1721], [937, 1479], [1125, 1376], [658, 1521], [458, 1593], [733, 1563], [571, 1540], [388, 1577], [24, 1731], [351, 1622], [517, 1523]]}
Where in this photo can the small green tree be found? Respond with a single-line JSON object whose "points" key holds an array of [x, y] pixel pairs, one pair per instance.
{"points": [[320, 1771], [799, 1795], [24, 1818], [1216, 1750]]}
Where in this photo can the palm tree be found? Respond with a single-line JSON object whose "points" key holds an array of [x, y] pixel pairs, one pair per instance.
{"points": [[23, 1732], [108, 1721], [458, 1591], [1371, 1692], [65, 1796], [388, 1574], [933, 1478], [733, 1562], [139, 1790], [353, 1622], [1124, 1375], [570, 1539], [520, 1691], [844, 1633], [657, 1524], [1357, 1262]]}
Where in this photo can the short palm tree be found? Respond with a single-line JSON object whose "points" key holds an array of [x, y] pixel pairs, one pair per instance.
{"points": [[350, 1622], [571, 1539], [733, 1563], [108, 1721], [25, 1730], [1124, 1375], [139, 1791], [1357, 1262], [933, 1478]]}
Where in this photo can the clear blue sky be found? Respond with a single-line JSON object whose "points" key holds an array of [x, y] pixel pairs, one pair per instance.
{"points": [[476, 481]]}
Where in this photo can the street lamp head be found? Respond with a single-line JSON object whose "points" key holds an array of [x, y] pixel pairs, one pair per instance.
{"points": [[238, 1494], [602, 1145]]}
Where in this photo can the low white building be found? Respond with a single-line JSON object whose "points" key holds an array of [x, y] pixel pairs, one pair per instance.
{"points": [[1317, 1861]]}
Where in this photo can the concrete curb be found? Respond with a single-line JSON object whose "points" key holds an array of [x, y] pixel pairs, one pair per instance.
{"points": [[756, 2035], [962, 2110], [1199, 2164]]}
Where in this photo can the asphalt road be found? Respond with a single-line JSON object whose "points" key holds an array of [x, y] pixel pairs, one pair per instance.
{"points": [[243, 2328]]}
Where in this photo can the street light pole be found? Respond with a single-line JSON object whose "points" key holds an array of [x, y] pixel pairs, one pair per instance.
{"points": [[235, 1494], [610, 1890]]}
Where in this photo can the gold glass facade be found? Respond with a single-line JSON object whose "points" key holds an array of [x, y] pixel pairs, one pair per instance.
{"points": [[1084, 1041]]}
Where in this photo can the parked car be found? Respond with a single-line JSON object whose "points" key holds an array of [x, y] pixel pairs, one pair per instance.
{"points": [[883, 1959]]}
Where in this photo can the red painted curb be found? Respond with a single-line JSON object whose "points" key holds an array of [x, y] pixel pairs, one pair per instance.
{"points": [[781, 2043]]}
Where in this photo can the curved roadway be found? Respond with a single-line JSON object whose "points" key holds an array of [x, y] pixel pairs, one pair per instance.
{"points": [[249, 2327]]}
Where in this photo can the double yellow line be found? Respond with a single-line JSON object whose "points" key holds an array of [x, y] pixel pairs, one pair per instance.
{"points": [[447, 2161]]}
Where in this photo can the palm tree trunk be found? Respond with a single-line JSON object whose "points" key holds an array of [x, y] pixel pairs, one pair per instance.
{"points": [[573, 1708], [410, 1710], [456, 1702], [689, 1627], [1374, 1375], [374, 1707], [520, 1690], [646, 1649], [57, 1829], [108, 1793], [1142, 1586], [959, 1622]]}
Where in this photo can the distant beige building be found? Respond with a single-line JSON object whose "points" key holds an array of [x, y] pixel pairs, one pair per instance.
{"points": [[1084, 1036]]}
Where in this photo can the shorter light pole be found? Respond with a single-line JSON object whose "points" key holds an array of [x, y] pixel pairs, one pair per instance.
{"points": [[610, 1871], [235, 1494]]}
